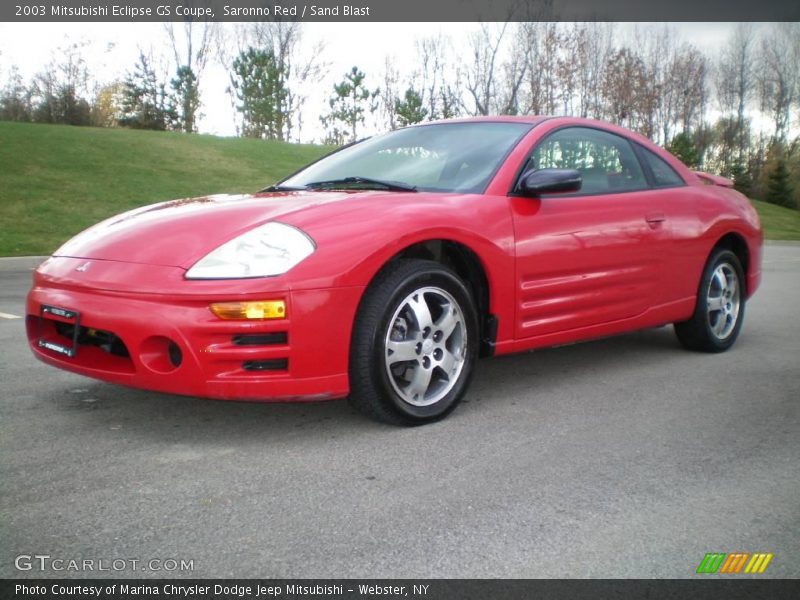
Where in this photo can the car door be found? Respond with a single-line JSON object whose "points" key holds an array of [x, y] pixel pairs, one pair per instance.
{"points": [[593, 256]]}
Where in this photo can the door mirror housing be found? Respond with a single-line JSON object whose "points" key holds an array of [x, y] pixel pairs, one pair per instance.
{"points": [[549, 181]]}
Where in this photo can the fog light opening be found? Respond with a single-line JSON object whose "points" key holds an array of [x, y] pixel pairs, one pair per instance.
{"points": [[160, 354], [175, 355]]}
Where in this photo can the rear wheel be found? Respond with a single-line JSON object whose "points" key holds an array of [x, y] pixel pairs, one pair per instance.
{"points": [[719, 311], [414, 344]]}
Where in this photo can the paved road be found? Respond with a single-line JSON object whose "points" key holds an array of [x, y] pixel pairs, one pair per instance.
{"points": [[622, 457]]}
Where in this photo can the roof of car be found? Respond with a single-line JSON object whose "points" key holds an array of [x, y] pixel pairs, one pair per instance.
{"points": [[532, 119]]}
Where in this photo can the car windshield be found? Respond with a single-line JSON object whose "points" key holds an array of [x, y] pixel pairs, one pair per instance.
{"points": [[447, 157]]}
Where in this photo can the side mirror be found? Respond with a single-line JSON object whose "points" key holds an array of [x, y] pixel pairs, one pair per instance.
{"points": [[548, 181]]}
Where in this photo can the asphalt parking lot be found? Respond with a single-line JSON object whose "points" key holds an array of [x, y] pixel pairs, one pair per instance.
{"points": [[626, 457]]}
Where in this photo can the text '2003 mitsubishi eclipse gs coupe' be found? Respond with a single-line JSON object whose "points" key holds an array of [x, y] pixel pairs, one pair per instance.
{"points": [[384, 270]]}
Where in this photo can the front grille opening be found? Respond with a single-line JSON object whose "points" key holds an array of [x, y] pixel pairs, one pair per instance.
{"points": [[105, 340], [274, 364], [275, 338]]}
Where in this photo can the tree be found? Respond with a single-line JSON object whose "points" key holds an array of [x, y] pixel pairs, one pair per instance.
{"points": [[409, 110], [624, 87], [388, 96], [588, 48], [261, 93], [778, 77], [656, 48], [144, 99], [59, 91], [494, 85], [107, 105], [779, 187], [683, 148], [191, 47], [15, 99], [742, 181], [438, 86], [298, 65], [703, 139], [349, 105], [736, 82], [185, 100], [541, 91], [688, 80], [725, 148]]}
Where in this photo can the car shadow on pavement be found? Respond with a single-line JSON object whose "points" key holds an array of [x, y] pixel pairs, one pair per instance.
{"points": [[496, 382]]}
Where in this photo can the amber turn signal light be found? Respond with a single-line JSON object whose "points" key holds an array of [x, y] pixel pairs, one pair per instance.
{"points": [[258, 309]]}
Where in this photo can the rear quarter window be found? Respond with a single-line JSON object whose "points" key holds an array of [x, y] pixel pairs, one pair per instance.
{"points": [[663, 174]]}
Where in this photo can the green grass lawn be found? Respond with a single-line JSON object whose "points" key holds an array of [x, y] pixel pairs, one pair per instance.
{"points": [[57, 180], [779, 223]]}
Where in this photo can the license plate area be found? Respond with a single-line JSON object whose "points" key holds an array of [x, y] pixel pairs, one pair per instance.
{"points": [[62, 315]]}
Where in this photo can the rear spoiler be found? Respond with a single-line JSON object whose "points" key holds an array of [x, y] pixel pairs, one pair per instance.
{"points": [[710, 179]]}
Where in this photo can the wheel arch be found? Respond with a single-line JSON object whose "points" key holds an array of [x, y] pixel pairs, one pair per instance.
{"points": [[735, 243], [467, 264]]}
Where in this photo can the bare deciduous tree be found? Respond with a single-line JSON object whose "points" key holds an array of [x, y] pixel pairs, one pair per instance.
{"points": [[689, 81], [735, 80], [438, 79], [483, 70], [16, 103], [593, 43], [389, 92], [779, 76], [540, 90], [623, 87], [59, 91]]}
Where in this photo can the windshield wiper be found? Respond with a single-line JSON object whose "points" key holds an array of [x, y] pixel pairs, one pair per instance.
{"points": [[283, 188], [363, 183]]}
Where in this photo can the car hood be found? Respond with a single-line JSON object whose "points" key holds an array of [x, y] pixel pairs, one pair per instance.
{"points": [[180, 232]]}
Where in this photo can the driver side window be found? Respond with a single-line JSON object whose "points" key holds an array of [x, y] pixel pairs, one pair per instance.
{"points": [[606, 162]]}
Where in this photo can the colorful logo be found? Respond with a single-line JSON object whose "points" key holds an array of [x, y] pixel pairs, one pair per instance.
{"points": [[720, 562]]}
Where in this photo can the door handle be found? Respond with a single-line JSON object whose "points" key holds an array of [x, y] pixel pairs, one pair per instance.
{"points": [[655, 219]]}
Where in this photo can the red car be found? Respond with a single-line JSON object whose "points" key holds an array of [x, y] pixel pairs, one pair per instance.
{"points": [[384, 270]]}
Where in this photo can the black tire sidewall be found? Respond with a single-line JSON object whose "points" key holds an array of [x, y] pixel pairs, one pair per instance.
{"points": [[701, 314], [427, 275]]}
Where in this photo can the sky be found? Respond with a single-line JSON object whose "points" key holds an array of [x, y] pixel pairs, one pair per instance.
{"points": [[112, 49]]}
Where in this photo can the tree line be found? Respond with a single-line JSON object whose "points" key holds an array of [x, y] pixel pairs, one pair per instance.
{"points": [[734, 111]]}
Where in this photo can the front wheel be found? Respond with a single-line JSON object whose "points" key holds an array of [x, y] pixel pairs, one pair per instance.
{"points": [[414, 344], [719, 311]]}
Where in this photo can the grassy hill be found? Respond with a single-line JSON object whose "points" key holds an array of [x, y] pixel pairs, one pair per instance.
{"points": [[57, 180], [779, 223]]}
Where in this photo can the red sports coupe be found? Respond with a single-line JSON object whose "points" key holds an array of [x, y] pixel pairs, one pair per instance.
{"points": [[384, 270]]}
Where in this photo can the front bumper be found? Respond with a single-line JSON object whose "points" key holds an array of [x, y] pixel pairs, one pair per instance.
{"points": [[171, 342]]}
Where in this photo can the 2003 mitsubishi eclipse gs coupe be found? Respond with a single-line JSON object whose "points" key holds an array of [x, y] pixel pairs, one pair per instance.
{"points": [[382, 271]]}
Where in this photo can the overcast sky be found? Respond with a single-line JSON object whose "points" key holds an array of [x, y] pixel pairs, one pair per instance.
{"points": [[112, 50]]}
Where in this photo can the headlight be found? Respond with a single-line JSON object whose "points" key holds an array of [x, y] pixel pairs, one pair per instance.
{"points": [[270, 249]]}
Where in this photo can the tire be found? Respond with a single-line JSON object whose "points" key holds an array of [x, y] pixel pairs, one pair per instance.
{"points": [[414, 344], [719, 310]]}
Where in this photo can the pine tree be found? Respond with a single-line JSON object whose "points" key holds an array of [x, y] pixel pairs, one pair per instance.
{"points": [[742, 181], [262, 93], [409, 110], [144, 99], [185, 99], [349, 105], [683, 148], [779, 188]]}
